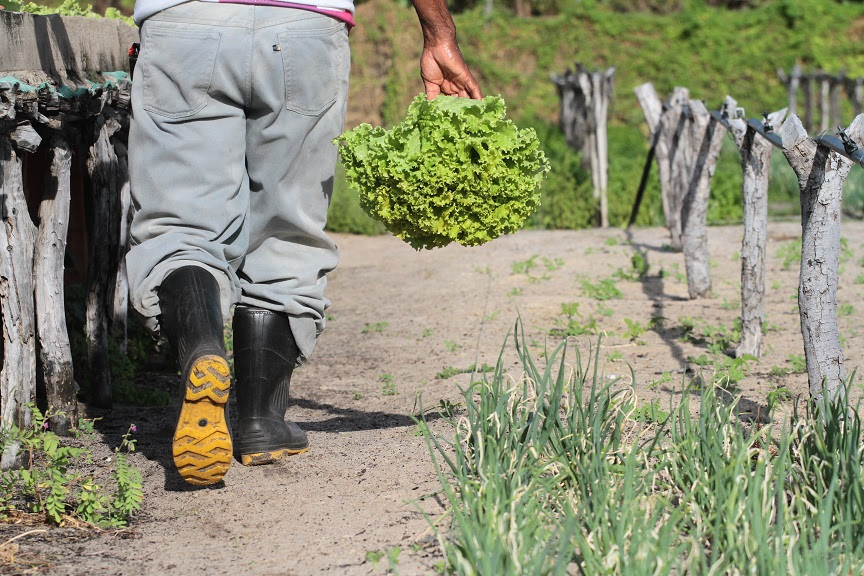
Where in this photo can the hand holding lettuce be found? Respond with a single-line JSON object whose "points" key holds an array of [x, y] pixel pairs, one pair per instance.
{"points": [[454, 170]]}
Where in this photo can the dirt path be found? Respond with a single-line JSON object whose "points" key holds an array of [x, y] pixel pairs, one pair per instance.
{"points": [[398, 319]]}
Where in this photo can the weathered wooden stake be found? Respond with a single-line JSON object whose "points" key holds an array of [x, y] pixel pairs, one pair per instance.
{"points": [[55, 353], [824, 102], [102, 167], [756, 164], [706, 135], [666, 124], [792, 82], [821, 174], [583, 116], [809, 100], [18, 375]]}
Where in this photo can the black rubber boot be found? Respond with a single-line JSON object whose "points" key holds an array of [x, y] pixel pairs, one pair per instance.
{"points": [[191, 319], [265, 354]]}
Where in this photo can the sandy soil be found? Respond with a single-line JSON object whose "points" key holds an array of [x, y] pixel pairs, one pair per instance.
{"points": [[402, 317]]}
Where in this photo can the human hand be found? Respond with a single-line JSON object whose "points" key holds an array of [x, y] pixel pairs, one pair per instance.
{"points": [[444, 71]]}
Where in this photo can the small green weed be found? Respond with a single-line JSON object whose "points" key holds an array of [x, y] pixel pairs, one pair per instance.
{"points": [[604, 289], [389, 388], [524, 266], [797, 363], [553, 264], [377, 327], [357, 395], [789, 254], [427, 332], [845, 309], [451, 345], [634, 329], [55, 479], [650, 413], [778, 396]]}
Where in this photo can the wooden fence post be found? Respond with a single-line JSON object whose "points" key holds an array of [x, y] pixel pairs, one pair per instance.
{"points": [[18, 375], [102, 168], [756, 165], [119, 319], [792, 82], [55, 353], [809, 100], [824, 101], [821, 173], [706, 137], [667, 126], [584, 109]]}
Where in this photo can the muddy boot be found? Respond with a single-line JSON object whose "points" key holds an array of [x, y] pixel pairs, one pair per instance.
{"points": [[192, 321], [264, 358]]}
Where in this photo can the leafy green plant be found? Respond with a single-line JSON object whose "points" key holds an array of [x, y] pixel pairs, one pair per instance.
{"points": [[454, 170], [845, 309], [797, 363], [553, 264], [604, 289], [53, 481], [524, 266], [634, 329], [650, 412]]}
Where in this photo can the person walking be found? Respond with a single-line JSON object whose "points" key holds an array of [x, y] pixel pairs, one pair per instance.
{"points": [[235, 104]]}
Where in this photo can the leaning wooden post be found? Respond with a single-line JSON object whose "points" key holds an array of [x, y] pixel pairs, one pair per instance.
{"points": [[102, 169], [18, 375], [756, 165], [821, 173], [667, 124], [707, 135], [55, 353]]}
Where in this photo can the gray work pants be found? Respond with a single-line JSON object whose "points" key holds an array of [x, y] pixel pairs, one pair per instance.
{"points": [[230, 155]]}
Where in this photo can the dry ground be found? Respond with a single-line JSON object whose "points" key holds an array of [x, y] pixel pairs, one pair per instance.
{"points": [[399, 317]]}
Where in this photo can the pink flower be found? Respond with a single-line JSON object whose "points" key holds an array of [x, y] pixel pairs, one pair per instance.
{"points": [[133, 428], [45, 425]]}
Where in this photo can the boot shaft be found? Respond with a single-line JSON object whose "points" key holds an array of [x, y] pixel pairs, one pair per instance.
{"points": [[191, 316], [265, 355]]}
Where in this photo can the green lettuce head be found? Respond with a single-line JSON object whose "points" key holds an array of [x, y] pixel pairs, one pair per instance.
{"points": [[454, 170]]}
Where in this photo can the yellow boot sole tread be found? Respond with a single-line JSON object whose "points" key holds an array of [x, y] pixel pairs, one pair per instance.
{"points": [[202, 446]]}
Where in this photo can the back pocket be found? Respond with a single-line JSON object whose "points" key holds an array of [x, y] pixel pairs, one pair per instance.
{"points": [[312, 61], [176, 68]]}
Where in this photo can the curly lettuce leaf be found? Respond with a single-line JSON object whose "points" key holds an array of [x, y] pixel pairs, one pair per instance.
{"points": [[453, 170]]}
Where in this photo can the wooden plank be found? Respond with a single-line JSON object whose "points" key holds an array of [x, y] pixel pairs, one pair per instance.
{"points": [[102, 168], [18, 375], [55, 353]]}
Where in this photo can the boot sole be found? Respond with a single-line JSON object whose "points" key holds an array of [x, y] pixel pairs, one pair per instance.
{"points": [[202, 444], [257, 458]]}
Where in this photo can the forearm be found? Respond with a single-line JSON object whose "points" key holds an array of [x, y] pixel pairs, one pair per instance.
{"points": [[435, 21]]}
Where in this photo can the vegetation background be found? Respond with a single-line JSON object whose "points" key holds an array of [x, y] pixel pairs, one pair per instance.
{"points": [[713, 47]]}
